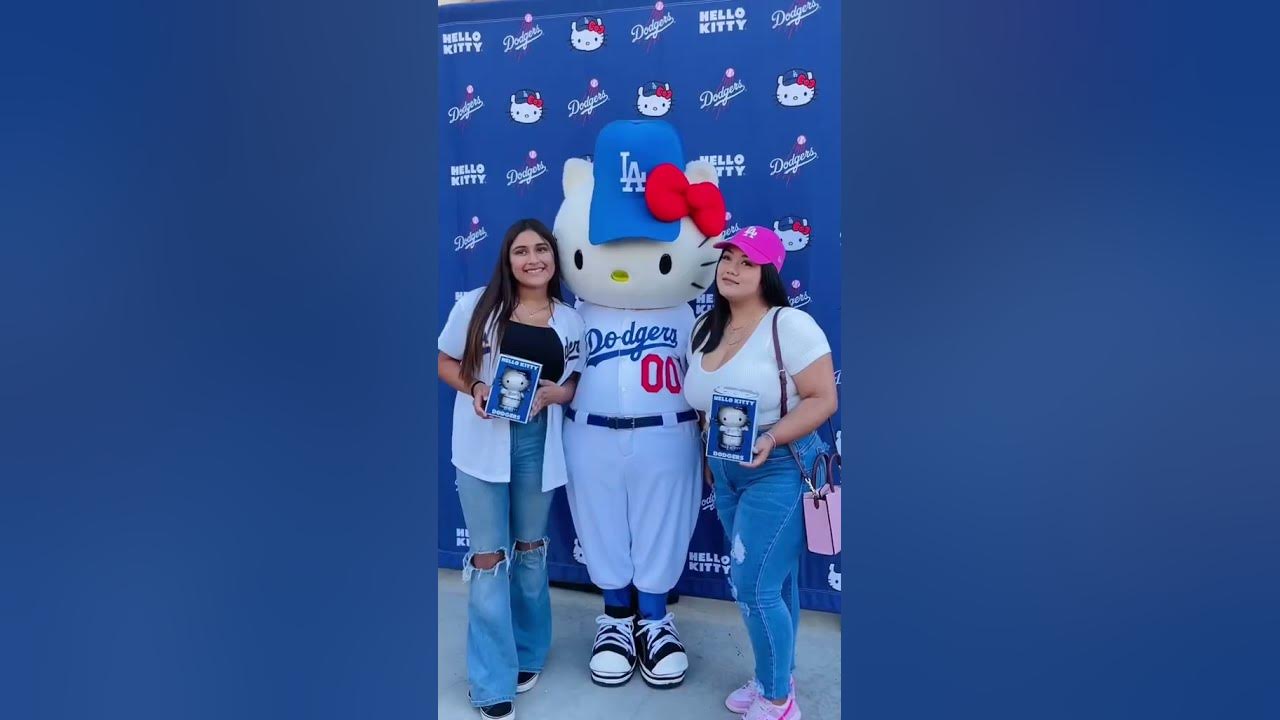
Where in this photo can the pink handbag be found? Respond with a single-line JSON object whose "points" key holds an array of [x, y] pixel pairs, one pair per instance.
{"points": [[821, 505]]}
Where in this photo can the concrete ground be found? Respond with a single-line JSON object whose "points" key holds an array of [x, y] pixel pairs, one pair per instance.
{"points": [[719, 661]]}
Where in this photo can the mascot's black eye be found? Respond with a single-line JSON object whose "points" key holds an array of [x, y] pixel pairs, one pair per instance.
{"points": [[577, 259], [664, 265]]}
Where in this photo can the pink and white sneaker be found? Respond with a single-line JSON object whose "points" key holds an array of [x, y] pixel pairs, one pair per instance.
{"points": [[762, 709], [739, 701]]}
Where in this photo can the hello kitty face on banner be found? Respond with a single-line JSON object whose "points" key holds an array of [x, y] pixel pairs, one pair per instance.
{"points": [[526, 106], [587, 34], [654, 99], [794, 232], [796, 88]]}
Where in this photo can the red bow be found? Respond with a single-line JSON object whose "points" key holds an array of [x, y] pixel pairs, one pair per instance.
{"points": [[670, 197], [536, 102], [802, 229], [808, 82], [595, 27], [663, 93]]}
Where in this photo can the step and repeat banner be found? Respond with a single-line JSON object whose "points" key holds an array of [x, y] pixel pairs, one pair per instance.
{"points": [[752, 86]]}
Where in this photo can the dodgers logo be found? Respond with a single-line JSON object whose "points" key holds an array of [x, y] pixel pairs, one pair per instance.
{"points": [[461, 41], [790, 19], [632, 178], [473, 237], [594, 98], [520, 43], [788, 167], [797, 295], [470, 104], [730, 88], [532, 170], [630, 344], [659, 20]]}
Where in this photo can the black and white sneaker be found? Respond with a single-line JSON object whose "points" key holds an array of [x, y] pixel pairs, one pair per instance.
{"points": [[613, 657], [662, 658], [525, 680], [498, 711]]}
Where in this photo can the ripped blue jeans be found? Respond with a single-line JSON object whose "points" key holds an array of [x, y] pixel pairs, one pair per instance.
{"points": [[509, 607], [764, 525]]}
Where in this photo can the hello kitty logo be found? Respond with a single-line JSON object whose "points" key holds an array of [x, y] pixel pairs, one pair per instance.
{"points": [[659, 21], [586, 106], [801, 154], [578, 556], [526, 106], [833, 577], [796, 88], [587, 34], [654, 99], [520, 43], [794, 231]]}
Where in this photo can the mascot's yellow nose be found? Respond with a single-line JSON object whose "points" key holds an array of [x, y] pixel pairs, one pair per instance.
{"points": [[620, 276]]}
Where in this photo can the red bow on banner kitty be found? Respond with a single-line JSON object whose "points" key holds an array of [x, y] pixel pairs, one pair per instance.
{"points": [[808, 82], [802, 229], [596, 27], [536, 102], [663, 93], [670, 197]]}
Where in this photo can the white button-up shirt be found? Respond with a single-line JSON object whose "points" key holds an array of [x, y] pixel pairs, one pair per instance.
{"points": [[482, 448]]}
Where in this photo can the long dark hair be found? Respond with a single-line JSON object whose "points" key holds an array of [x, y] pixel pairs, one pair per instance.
{"points": [[710, 329], [499, 298]]}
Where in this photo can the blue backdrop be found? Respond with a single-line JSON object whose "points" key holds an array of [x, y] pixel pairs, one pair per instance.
{"points": [[751, 85]]}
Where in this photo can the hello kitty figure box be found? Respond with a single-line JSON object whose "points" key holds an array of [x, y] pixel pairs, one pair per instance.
{"points": [[731, 431], [512, 394]]}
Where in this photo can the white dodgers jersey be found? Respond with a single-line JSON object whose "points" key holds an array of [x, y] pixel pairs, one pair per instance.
{"points": [[635, 361]]}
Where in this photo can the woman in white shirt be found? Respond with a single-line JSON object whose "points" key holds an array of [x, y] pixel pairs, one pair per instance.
{"points": [[507, 472], [759, 502]]}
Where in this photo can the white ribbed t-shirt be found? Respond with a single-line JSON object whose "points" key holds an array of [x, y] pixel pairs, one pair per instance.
{"points": [[754, 367]]}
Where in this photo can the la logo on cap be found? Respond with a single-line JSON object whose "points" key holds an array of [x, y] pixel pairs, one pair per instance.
{"points": [[750, 232], [632, 177]]}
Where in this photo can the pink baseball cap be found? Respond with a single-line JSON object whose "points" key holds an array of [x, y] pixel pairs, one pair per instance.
{"points": [[760, 244]]}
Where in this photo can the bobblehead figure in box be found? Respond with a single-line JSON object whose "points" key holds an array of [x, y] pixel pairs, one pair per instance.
{"points": [[635, 232]]}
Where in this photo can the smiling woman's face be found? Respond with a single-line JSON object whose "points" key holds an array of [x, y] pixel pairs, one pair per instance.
{"points": [[532, 261], [736, 276]]}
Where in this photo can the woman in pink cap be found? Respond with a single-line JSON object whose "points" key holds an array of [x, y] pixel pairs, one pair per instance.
{"points": [[759, 502]]}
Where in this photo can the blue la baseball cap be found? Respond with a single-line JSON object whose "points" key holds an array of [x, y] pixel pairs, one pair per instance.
{"points": [[626, 151]]}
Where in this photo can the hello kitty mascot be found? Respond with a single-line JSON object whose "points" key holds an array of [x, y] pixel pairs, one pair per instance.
{"points": [[635, 234]]}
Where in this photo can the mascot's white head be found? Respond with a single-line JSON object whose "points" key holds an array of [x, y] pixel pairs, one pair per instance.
{"points": [[635, 230]]}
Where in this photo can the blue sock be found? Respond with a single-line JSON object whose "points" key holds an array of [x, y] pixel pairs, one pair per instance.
{"points": [[619, 598], [653, 606]]}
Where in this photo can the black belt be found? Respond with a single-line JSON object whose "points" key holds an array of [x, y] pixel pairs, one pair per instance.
{"points": [[631, 423]]}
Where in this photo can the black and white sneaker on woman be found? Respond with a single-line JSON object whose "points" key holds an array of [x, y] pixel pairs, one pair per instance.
{"points": [[662, 658], [613, 657]]}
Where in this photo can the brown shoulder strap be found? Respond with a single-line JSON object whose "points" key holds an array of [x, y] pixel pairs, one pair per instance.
{"points": [[782, 372]]}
